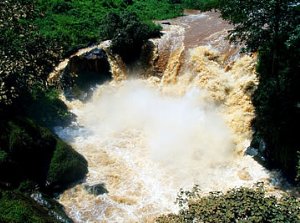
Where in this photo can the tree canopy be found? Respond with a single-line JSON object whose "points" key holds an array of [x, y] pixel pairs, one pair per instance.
{"points": [[127, 32], [258, 23], [26, 56], [273, 29]]}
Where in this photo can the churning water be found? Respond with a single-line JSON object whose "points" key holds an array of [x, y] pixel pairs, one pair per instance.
{"points": [[147, 138]]}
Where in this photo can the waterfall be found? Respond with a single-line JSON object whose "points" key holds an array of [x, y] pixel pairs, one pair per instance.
{"points": [[189, 123]]}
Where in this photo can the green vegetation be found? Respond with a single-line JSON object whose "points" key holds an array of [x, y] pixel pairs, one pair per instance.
{"points": [[200, 4], [16, 207], [36, 34], [32, 159], [272, 28], [236, 205], [66, 166], [21, 209], [128, 33], [45, 107], [76, 23], [32, 153], [26, 56]]}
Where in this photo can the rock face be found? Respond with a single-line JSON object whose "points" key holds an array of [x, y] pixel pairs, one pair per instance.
{"points": [[84, 72], [93, 61]]}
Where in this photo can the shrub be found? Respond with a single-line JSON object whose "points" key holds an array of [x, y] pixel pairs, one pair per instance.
{"points": [[18, 208], [237, 205], [128, 33]]}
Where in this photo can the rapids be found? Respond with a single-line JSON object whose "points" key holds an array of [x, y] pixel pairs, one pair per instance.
{"points": [[189, 123]]}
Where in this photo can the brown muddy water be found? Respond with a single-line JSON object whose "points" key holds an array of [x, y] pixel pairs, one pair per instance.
{"points": [[145, 138]]}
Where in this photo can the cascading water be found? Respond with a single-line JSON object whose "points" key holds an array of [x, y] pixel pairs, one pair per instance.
{"points": [[147, 138]]}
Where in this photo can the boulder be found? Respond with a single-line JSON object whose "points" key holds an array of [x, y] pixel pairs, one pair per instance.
{"points": [[84, 72], [33, 153], [92, 61], [66, 167], [96, 189]]}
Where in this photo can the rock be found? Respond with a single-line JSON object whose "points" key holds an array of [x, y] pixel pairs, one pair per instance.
{"points": [[96, 189], [53, 208], [66, 167], [34, 154], [251, 151], [92, 61], [244, 174], [84, 72], [166, 23]]}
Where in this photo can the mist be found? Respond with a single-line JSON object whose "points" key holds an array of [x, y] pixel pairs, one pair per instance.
{"points": [[184, 133]]}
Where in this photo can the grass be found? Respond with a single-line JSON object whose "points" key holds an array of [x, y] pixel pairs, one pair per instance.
{"points": [[77, 22]]}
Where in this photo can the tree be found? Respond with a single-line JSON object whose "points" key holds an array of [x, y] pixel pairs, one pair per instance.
{"points": [[259, 23], [272, 28], [128, 33], [26, 56]]}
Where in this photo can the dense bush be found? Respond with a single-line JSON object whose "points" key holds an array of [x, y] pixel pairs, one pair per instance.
{"points": [[16, 207], [127, 32], [200, 4], [26, 56], [75, 23], [272, 29], [236, 205]]}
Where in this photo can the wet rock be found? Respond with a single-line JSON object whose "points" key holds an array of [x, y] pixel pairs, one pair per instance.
{"points": [[94, 61], [244, 175], [251, 151], [66, 167], [96, 189], [84, 72], [52, 207]]}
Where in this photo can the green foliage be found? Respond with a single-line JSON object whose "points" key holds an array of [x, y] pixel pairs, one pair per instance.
{"points": [[3, 156], [33, 153], [28, 151], [128, 33], [66, 167], [259, 23], [155, 9], [45, 107], [27, 186], [18, 208], [26, 56], [203, 5], [76, 23], [272, 28], [236, 205]]}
